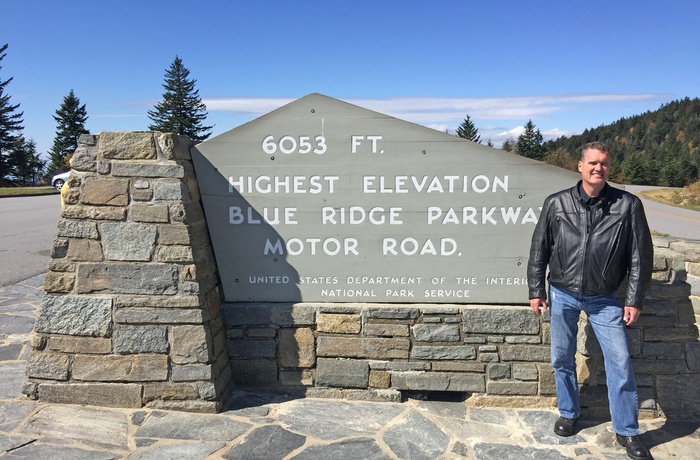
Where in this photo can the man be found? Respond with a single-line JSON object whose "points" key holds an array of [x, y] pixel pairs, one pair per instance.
{"points": [[591, 237]]}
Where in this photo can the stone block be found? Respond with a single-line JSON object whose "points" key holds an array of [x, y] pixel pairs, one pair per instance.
{"points": [[678, 396], [94, 213], [101, 191], [127, 368], [436, 332], [296, 347], [77, 229], [252, 348], [510, 353], [379, 379], [59, 248], [546, 379], [420, 381], [175, 254], [147, 212], [397, 313], [386, 330], [663, 350], [689, 249], [692, 355], [140, 339], [83, 345], [524, 371], [296, 377], [511, 388], [159, 315], [123, 278], [190, 344], [363, 347], [344, 373], [127, 146], [399, 365], [170, 191], [128, 241], [174, 234], [446, 352], [48, 366], [488, 357], [660, 366], [266, 314], [339, 323], [254, 373], [126, 395], [458, 366], [85, 251], [498, 371], [174, 146], [466, 383], [59, 282], [671, 334], [169, 390], [500, 320], [75, 315], [142, 169], [192, 372]]}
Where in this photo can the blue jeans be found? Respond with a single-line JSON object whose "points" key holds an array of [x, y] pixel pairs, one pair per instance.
{"points": [[605, 315]]}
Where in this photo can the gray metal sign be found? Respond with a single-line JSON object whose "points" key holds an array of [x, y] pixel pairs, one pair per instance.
{"points": [[324, 201]]}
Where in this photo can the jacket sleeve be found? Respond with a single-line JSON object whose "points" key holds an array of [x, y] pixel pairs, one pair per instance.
{"points": [[540, 250], [641, 257]]}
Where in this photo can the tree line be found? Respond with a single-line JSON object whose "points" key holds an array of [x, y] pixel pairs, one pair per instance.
{"points": [[180, 111], [660, 147]]}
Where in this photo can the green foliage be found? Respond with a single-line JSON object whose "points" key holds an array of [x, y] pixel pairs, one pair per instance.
{"points": [[529, 143], [26, 164], [181, 111], [70, 119], [10, 126], [509, 145], [467, 130], [655, 148]]}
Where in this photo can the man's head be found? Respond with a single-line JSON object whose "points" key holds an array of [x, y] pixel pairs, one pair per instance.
{"points": [[594, 167]]}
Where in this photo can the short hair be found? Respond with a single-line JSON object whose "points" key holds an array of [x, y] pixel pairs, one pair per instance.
{"points": [[594, 146]]}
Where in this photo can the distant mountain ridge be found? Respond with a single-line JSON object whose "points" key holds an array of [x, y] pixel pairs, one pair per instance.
{"points": [[655, 148]]}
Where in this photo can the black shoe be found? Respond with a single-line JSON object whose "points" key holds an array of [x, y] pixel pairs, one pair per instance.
{"points": [[635, 447], [565, 426]]}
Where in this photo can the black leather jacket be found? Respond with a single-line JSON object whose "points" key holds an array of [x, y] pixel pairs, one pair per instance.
{"points": [[591, 250]]}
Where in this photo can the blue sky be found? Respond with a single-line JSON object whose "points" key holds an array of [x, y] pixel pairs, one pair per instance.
{"points": [[566, 65]]}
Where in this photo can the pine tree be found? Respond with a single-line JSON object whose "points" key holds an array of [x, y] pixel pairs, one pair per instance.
{"points": [[25, 163], [181, 111], [71, 118], [529, 143], [10, 124], [467, 130]]}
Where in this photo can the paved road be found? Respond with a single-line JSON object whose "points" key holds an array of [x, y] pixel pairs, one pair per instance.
{"points": [[27, 231], [681, 223]]}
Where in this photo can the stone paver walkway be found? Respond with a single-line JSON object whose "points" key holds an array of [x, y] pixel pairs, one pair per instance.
{"points": [[277, 426]]}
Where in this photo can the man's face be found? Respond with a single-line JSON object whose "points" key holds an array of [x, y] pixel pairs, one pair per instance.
{"points": [[594, 169]]}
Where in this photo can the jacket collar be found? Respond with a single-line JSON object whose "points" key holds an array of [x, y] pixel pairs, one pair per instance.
{"points": [[581, 196]]}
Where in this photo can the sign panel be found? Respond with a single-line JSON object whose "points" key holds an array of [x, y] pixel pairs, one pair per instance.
{"points": [[324, 201]]}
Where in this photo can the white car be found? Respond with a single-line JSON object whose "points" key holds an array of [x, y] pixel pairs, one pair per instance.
{"points": [[59, 179]]}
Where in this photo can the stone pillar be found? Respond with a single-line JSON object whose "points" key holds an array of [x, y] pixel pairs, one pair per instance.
{"points": [[131, 316]]}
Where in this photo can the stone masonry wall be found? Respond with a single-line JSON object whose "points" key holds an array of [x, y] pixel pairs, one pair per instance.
{"points": [[131, 315], [497, 355]]}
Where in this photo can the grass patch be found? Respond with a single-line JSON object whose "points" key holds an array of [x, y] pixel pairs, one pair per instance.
{"points": [[687, 198], [27, 191]]}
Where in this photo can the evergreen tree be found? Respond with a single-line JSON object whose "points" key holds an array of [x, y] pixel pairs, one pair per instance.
{"points": [[467, 130], [71, 118], [25, 163], [181, 111], [530, 142], [509, 145], [10, 124]]}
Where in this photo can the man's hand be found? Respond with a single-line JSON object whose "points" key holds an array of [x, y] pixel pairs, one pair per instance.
{"points": [[536, 303], [630, 315]]}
